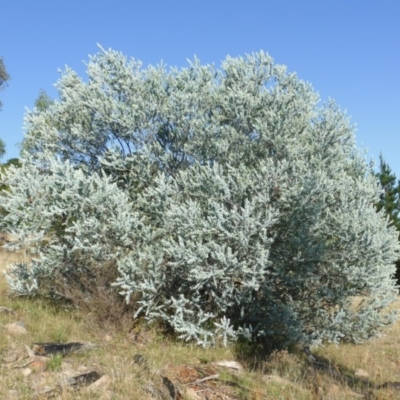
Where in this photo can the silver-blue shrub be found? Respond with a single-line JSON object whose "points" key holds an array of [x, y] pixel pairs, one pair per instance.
{"points": [[234, 204]]}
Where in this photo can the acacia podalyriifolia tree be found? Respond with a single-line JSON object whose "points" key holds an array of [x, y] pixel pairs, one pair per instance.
{"points": [[232, 202]]}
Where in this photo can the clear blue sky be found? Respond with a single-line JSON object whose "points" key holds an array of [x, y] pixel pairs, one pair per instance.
{"points": [[348, 49]]}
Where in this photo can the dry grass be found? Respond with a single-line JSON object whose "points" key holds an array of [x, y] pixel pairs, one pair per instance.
{"points": [[281, 375]]}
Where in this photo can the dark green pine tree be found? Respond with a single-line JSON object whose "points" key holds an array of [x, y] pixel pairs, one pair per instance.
{"points": [[390, 199]]}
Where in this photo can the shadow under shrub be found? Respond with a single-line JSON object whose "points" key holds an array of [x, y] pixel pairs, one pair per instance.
{"points": [[92, 292]]}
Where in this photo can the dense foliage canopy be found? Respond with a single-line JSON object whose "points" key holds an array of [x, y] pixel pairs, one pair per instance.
{"points": [[232, 203]]}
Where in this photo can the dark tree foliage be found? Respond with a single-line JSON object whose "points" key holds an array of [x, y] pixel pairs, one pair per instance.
{"points": [[2, 148], [390, 199], [43, 101], [4, 77], [12, 161]]}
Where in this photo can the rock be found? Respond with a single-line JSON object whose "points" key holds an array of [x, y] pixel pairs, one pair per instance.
{"points": [[155, 392], [17, 328], [26, 371], [87, 378], [139, 359], [66, 376], [361, 373], [42, 349], [230, 364], [172, 390], [107, 338], [67, 380], [101, 385]]}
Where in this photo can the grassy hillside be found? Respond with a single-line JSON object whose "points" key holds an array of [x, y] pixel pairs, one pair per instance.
{"points": [[136, 362]]}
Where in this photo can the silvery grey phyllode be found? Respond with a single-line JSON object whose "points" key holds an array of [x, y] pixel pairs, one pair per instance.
{"points": [[233, 203]]}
